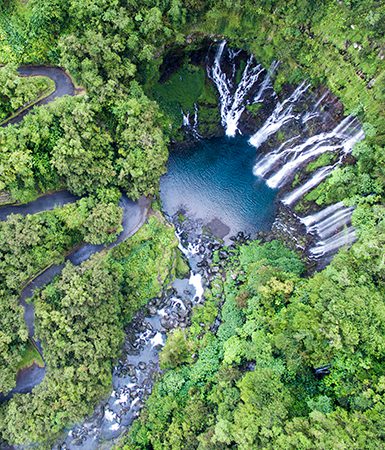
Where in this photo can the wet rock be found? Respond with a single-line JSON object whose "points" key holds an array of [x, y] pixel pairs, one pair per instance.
{"points": [[202, 263], [152, 310], [130, 370], [142, 365]]}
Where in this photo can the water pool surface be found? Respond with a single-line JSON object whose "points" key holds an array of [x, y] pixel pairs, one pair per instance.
{"points": [[213, 181]]}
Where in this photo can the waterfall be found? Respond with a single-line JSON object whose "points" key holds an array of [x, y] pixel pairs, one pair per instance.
{"points": [[333, 243], [233, 100], [283, 113], [263, 166], [328, 225], [326, 228], [323, 172], [186, 119], [266, 84], [279, 166], [314, 181], [315, 146], [237, 106], [195, 122], [187, 124], [309, 115], [222, 83], [331, 228], [291, 158], [313, 218]]}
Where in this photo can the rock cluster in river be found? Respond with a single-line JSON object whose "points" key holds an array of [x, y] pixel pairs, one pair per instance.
{"points": [[138, 366]]}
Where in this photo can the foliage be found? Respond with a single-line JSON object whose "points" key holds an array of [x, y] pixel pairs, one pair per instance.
{"points": [[148, 260], [65, 143], [252, 385], [80, 319], [30, 244], [16, 92]]}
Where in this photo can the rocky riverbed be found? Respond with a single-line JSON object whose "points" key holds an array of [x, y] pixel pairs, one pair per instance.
{"points": [[138, 367]]}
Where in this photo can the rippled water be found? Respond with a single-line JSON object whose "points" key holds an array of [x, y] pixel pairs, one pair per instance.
{"points": [[214, 180]]}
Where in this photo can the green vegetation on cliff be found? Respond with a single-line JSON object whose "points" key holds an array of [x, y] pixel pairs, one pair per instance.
{"points": [[251, 384]]}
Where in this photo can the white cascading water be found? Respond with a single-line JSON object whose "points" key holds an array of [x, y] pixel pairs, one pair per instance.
{"points": [[195, 123], [333, 243], [233, 100], [185, 119], [193, 127], [265, 165], [342, 139], [312, 182], [232, 55], [315, 146], [326, 228], [320, 215], [315, 111], [283, 113], [326, 224], [323, 172], [266, 84], [237, 106]]}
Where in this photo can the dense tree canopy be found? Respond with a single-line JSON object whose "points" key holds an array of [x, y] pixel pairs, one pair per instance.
{"points": [[252, 383], [80, 320], [16, 92], [32, 243]]}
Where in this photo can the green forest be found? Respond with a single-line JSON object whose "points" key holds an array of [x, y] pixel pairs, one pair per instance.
{"points": [[253, 382]]}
